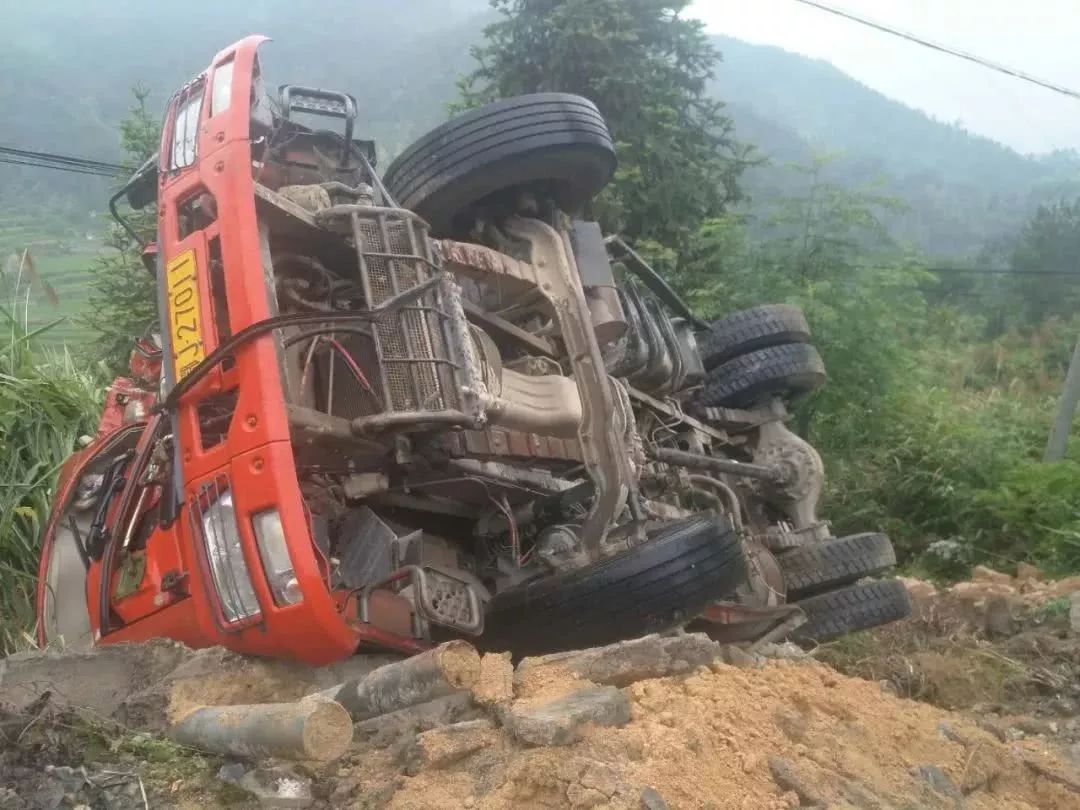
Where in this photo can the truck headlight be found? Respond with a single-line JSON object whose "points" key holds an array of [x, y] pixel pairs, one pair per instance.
{"points": [[228, 570], [274, 552]]}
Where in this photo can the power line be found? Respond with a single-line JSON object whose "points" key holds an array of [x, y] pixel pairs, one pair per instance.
{"points": [[65, 159], [976, 271], [58, 167], [58, 162], [970, 57]]}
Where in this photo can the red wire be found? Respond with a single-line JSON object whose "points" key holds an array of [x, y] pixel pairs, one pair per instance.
{"points": [[353, 367]]}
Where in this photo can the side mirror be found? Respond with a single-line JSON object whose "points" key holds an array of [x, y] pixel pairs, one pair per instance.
{"points": [[141, 189]]}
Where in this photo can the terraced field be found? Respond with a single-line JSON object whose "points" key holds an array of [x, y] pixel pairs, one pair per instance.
{"points": [[62, 257]]}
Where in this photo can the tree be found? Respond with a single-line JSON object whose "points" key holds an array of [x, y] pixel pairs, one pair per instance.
{"points": [[647, 70], [823, 248], [1047, 258], [123, 300]]}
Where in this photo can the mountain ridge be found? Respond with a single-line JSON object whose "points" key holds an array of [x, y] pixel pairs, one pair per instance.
{"points": [[401, 61]]}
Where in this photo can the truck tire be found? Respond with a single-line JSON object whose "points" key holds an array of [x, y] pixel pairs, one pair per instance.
{"points": [[557, 141], [856, 607], [659, 585], [790, 370], [817, 567], [750, 330]]}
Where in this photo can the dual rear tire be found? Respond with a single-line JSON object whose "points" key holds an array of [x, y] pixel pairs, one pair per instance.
{"points": [[828, 580], [759, 353]]}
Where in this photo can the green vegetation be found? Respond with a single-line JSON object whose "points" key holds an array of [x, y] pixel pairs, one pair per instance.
{"points": [[47, 401], [122, 300], [647, 69], [936, 414]]}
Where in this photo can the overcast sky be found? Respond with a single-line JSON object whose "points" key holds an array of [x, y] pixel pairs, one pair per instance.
{"points": [[1041, 37]]}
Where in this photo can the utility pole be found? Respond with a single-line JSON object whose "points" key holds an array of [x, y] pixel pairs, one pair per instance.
{"points": [[1070, 397]]}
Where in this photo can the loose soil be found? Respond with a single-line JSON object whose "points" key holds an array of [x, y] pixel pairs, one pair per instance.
{"points": [[718, 738], [961, 706]]}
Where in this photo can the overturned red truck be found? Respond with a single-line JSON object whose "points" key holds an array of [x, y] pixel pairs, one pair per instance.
{"points": [[379, 411]]}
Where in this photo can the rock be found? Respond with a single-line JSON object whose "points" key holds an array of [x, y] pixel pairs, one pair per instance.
{"points": [[938, 781], [444, 746], [738, 657], [1026, 572], [559, 722], [232, 772], [981, 573], [273, 787], [997, 617], [919, 590], [787, 778], [101, 678], [1074, 755], [651, 800], [792, 723], [1063, 587], [624, 663], [992, 728], [1074, 612], [787, 650], [403, 725], [1035, 725], [496, 684], [949, 733], [888, 688]]}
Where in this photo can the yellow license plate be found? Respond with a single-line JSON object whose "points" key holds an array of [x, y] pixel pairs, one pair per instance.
{"points": [[185, 325]]}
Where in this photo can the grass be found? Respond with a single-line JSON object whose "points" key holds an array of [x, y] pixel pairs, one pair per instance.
{"points": [[46, 402]]}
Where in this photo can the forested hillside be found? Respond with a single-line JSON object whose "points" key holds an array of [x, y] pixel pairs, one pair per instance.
{"points": [[61, 90], [960, 189]]}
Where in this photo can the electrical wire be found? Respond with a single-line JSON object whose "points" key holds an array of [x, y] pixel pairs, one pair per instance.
{"points": [[975, 271], [53, 157], [351, 363], [936, 46], [62, 168]]}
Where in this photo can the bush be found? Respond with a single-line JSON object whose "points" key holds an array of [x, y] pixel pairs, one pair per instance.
{"points": [[46, 403], [949, 464]]}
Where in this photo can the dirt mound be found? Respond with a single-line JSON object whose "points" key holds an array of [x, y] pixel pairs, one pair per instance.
{"points": [[741, 731], [785, 735], [998, 644]]}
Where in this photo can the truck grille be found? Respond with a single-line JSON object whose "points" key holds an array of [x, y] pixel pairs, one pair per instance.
{"points": [[415, 367]]}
